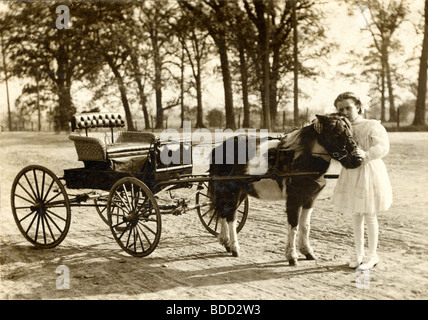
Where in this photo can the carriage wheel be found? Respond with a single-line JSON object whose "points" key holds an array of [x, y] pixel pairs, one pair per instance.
{"points": [[206, 211], [101, 207], [134, 217], [40, 206]]}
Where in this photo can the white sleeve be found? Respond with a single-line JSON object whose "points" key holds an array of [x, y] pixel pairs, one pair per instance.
{"points": [[379, 143]]}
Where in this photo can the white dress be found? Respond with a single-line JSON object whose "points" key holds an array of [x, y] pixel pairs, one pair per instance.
{"points": [[366, 189]]}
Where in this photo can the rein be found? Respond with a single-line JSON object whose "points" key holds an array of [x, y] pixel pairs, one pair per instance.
{"points": [[335, 155]]}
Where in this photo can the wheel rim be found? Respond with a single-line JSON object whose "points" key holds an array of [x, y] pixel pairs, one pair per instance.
{"points": [[101, 207], [134, 217], [40, 206], [206, 212]]}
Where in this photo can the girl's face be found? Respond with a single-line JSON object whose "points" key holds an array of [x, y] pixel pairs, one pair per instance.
{"points": [[348, 109]]}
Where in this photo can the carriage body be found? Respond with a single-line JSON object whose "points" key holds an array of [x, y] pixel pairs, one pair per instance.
{"points": [[110, 155]]}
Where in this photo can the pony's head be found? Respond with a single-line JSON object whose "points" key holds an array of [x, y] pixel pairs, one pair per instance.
{"points": [[336, 138]]}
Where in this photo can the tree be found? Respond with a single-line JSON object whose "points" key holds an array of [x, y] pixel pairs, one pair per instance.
{"points": [[154, 17], [193, 52], [422, 81], [214, 15], [38, 48], [386, 17], [6, 79], [196, 53], [261, 19], [274, 53], [109, 31]]}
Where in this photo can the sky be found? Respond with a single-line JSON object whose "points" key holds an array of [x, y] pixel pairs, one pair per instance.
{"points": [[319, 93]]}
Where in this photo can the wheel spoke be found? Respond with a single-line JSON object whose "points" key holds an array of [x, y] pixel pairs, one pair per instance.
{"points": [[37, 227], [128, 202], [49, 189], [148, 228], [145, 236], [53, 221], [53, 213], [32, 198], [31, 223], [25, 199], [36, 183], [141, 241], [49, 227], [25, 217], [122, 200], [54, 197], [43, 228], [29, 184]]}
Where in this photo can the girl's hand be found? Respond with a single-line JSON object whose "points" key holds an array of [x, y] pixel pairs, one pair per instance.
{"points": [[359, 152]]}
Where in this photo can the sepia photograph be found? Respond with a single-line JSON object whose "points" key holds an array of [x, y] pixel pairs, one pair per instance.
{"points": [[213, 155]]}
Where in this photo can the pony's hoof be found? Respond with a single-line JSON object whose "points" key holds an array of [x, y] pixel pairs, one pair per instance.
{"points": [[309, 256], [293, 262], [235, 253], [227, 248]]}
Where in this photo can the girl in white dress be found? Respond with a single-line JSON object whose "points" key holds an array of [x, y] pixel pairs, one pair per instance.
{"points": [[364, 191]]}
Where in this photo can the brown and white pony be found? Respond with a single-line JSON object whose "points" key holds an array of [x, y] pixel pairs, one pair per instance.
{"points": [[301, 151]]}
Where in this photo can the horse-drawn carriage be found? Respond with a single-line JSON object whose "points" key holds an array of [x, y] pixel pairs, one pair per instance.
{"points": [[123, 173], [121, 179]]}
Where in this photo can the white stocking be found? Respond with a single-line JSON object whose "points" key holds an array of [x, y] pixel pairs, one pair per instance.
{"points": [[358, 226], [372, 233]]}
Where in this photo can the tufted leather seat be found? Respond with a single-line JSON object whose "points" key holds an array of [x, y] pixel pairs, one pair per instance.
{"points": [[124, 151]]}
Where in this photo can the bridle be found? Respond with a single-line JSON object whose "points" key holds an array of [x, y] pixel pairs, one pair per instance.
{"points": [[335, 155], [338, 155]]}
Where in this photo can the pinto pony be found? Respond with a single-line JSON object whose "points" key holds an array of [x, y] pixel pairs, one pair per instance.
{"points": [[301, 151]]}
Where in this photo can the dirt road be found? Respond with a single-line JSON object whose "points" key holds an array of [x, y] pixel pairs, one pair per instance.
{"points": [[189, 263]]}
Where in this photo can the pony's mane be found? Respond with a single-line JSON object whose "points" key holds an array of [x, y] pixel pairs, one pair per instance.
{"points": [[294, 141]]}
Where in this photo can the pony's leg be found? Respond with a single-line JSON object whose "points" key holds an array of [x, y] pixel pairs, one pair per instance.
{"points": [[290, 251], [223, 236], [234, 244], [304, 229]]}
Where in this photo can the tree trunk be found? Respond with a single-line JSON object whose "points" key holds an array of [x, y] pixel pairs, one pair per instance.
{"points": [[182, 111], [392, 111], [65, 110], [422, 81], [244, 85], [264, 38], [267, 124], [123, 95], [274, 84], [227, 83], [143, 102], [158, 79], [141, 94], [382, 92], [296, 65], [6, 77], [199, 114]]}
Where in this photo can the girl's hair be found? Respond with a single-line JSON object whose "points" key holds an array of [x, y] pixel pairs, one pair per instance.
{"points": [[350, 95]]}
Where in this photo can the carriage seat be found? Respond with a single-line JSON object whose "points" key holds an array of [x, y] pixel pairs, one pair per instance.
{"points": [[124, 151]]}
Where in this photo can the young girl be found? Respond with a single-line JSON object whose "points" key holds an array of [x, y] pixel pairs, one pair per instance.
{"points": [[365, 191]]}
